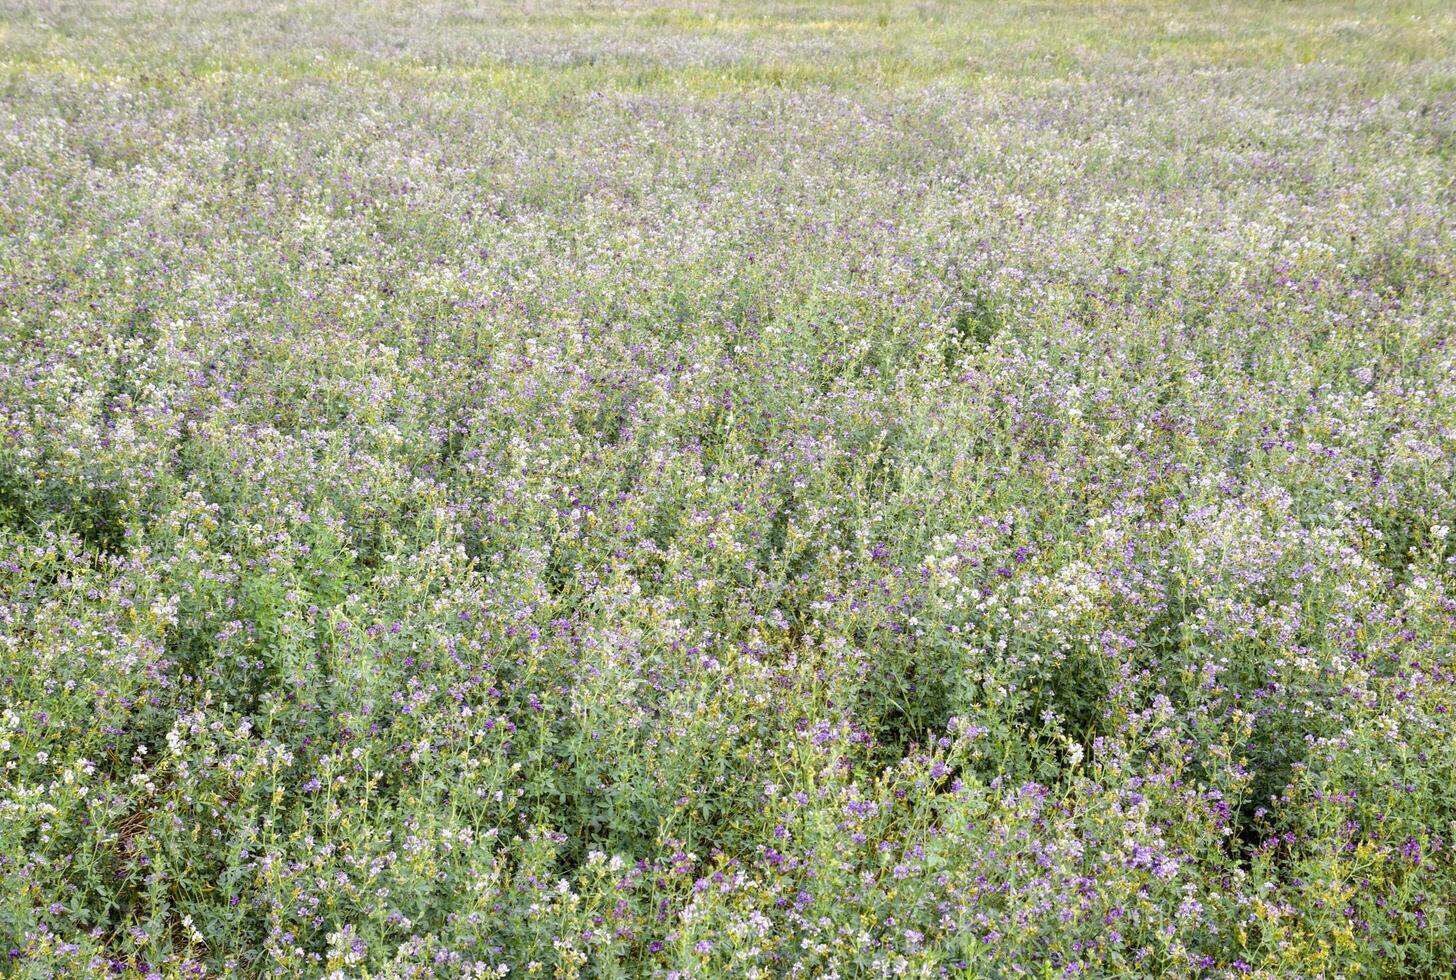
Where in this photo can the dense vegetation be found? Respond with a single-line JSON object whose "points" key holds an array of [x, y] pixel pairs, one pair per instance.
{"points": [[744, 488]]}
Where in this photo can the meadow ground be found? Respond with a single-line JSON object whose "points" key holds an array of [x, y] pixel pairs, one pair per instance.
{"points": [[727, 489]]}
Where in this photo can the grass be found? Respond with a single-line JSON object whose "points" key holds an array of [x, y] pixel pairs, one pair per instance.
{"points": [[740, 488]]}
